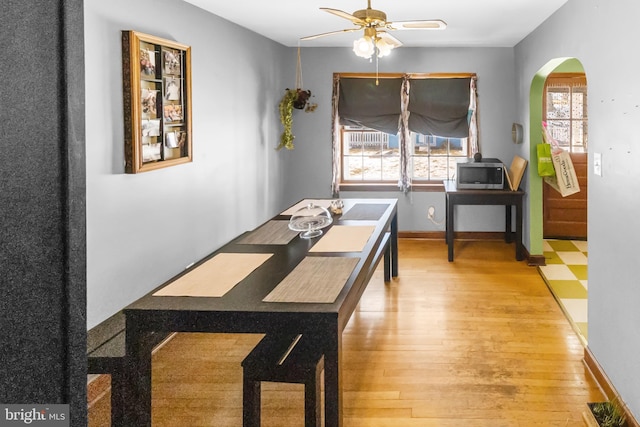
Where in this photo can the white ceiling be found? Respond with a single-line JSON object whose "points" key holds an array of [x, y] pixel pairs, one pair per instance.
{"points": [[496, 23]]}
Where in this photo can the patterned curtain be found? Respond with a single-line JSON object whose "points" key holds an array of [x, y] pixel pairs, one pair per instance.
{"points": [[405, 138], [473, 121], [335, 143]]}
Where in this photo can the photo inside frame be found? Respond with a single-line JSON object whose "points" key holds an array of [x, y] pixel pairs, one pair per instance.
{"points": [[147, 62], [175, 139], [171, 140], [151, 152], [172, 89], [151, 127], [171, 62], [173, 113], [149, 98]]}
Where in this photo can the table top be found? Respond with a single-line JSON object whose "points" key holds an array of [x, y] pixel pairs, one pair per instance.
{"points": [[248, 295], [450, 187]]}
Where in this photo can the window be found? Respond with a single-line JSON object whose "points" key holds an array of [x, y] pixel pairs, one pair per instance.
{"points": [[566, 110], [403, 129], [434, 158], [370, 156]]}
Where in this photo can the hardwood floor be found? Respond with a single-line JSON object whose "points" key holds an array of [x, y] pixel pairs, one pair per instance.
{"points": [[477, 342]]}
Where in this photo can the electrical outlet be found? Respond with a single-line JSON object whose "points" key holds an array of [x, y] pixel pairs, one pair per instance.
{"points": [[431, 212]]}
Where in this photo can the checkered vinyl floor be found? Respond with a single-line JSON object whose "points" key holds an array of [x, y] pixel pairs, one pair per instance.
{"points": [[566, 276]]}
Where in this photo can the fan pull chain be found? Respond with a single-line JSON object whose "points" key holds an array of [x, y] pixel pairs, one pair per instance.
{"points": [[377, 82]]}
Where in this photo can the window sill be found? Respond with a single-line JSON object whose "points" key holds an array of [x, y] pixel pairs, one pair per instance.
{"points": [[434, 186]]}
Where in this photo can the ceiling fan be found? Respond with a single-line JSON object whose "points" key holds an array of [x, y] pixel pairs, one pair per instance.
{"points": [[375, 25]]}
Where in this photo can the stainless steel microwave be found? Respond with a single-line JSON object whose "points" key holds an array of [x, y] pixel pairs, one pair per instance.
{"points": [[486, 174]]}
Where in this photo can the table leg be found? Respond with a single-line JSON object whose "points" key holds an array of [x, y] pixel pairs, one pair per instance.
{"points": [[519, 247], [507, 227], [332, 378], [387, 263], [138, 371], [446, 221], [394, 245], [119, 381], [449, 229]]}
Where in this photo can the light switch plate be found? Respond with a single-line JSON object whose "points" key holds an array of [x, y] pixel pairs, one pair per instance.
{"points": [[597, 164]]}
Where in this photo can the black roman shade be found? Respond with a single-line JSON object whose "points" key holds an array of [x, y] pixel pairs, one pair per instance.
{"points": [[439, 107], [363, 103]]}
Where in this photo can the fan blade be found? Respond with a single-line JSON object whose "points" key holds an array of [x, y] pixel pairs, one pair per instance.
{"points": [[348, 30], [344, 15], [389, 39], [432, 24]]}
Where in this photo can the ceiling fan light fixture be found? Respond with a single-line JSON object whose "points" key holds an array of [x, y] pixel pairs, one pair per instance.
{"points": [[377, 39], [383, 47], [364, 47]]}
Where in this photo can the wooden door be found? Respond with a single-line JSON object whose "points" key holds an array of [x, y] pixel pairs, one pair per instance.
{"points": [[566, 217]]}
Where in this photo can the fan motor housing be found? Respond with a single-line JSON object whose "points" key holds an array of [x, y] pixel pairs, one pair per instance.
{"points": [[371, 16]]}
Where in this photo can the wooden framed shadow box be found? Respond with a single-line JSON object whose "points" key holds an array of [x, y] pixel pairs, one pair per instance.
{"points": [[156, 77]]}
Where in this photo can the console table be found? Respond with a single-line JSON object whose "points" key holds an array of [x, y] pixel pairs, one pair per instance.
{"points": [[248, 306], [505, 197]]}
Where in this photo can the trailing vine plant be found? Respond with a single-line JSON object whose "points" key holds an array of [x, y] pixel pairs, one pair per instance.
{"points": [[286, 118]]}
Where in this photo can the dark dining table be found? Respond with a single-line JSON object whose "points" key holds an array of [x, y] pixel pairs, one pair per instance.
{"points": [[316, 302]]}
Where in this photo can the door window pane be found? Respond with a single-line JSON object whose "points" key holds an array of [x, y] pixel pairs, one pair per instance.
{"points": [[566, 111]]}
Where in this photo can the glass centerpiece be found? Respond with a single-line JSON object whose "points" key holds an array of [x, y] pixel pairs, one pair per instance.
{"points": [[310, 220]]}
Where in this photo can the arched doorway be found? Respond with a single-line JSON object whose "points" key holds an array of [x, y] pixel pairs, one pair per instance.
{"points": [[536, 99], [573, 303]]}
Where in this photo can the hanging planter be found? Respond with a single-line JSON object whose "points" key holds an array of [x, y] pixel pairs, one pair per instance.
{"points": [[302, 97], [297, 98]]}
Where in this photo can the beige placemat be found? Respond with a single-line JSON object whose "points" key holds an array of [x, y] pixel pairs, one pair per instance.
{"points": [[318, 202], [314, 280], [344, 238], [366, 211], [215, 277], [271, 233]]}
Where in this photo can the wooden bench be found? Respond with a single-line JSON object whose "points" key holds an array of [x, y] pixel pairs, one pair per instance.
{"points": [[287, 359], [106, 354]]}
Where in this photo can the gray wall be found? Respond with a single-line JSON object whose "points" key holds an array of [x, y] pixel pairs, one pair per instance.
{"points": [[145, 228], [600, 35], [309, 164]]}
